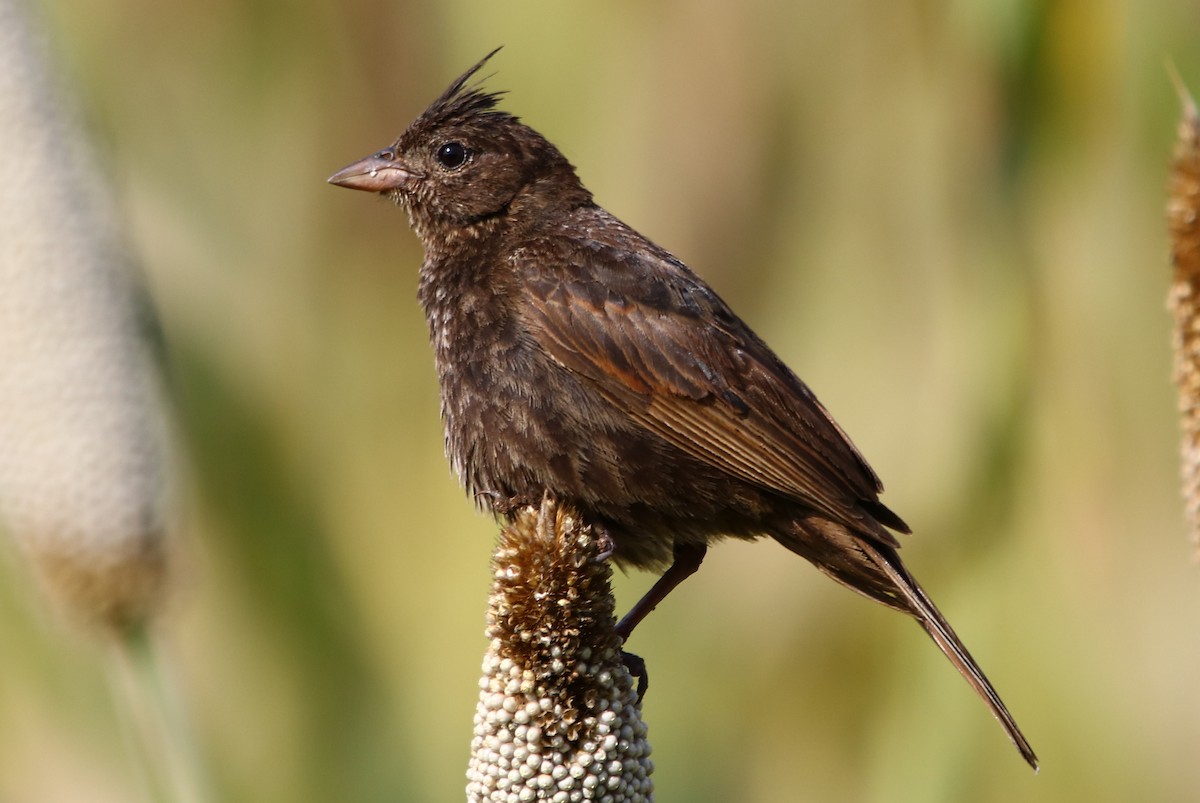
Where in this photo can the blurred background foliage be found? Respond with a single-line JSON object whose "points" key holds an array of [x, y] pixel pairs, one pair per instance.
{"points": [[946, 216]]}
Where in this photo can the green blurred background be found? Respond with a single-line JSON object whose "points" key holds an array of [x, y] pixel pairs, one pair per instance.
{"points": [[946, 216]]}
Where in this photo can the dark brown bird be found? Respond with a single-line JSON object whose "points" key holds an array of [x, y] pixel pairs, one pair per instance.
{"points": [[578, 358]]}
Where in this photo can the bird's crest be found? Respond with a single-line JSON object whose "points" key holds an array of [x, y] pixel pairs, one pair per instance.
{"points": [[460, 101]]}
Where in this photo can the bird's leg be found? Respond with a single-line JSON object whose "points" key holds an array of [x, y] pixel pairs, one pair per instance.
{"points": [[688, 558]]}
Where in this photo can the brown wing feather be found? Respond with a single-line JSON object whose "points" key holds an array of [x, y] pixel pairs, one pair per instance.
{"points": [[717, 392]]}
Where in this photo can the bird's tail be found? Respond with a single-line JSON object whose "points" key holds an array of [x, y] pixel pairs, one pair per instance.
{"points": [[875, 570]]}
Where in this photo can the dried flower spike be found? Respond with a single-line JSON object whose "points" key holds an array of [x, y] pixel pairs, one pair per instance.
{"points": [[558, 716], [1183, 217], [82, 460]]}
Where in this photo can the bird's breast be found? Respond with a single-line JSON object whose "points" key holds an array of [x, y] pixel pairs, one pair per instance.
{"points": [[496, 425]]}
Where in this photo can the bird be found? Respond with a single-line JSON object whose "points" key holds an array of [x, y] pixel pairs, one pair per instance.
{"points": [[579, 360]]}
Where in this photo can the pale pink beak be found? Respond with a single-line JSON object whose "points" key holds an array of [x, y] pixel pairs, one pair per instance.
{"points": [[379, 172]]}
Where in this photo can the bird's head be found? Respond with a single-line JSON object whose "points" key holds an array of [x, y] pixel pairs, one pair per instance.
{"points": [[464, 163]]}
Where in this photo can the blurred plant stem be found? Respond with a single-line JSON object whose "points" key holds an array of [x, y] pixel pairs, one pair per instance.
{"points": [[157, 727]]}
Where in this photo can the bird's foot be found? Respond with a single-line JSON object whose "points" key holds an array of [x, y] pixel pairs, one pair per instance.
{"points": [[503, 505], [637, 668], [605, 545]]}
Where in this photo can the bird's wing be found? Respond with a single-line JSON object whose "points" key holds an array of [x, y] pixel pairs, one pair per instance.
{"points": [[656, 341]]}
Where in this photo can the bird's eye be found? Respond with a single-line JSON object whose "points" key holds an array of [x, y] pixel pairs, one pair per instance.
{"points": [[452, 155]]}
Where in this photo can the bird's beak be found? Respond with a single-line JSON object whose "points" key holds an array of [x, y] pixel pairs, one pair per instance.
{"points": [[379, 172]]}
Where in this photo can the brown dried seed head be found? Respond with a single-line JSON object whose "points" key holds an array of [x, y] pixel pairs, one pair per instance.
{"points": [[1183, 218], [558, 716]]}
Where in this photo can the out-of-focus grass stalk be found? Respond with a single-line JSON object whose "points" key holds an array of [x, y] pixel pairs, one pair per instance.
{"points": [[558, 716], [156, 722], [83, 460], [1183, 217]]}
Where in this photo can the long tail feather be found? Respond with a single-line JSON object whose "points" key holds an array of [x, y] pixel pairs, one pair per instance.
{"points": [[873, 568], [931, 619]]}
